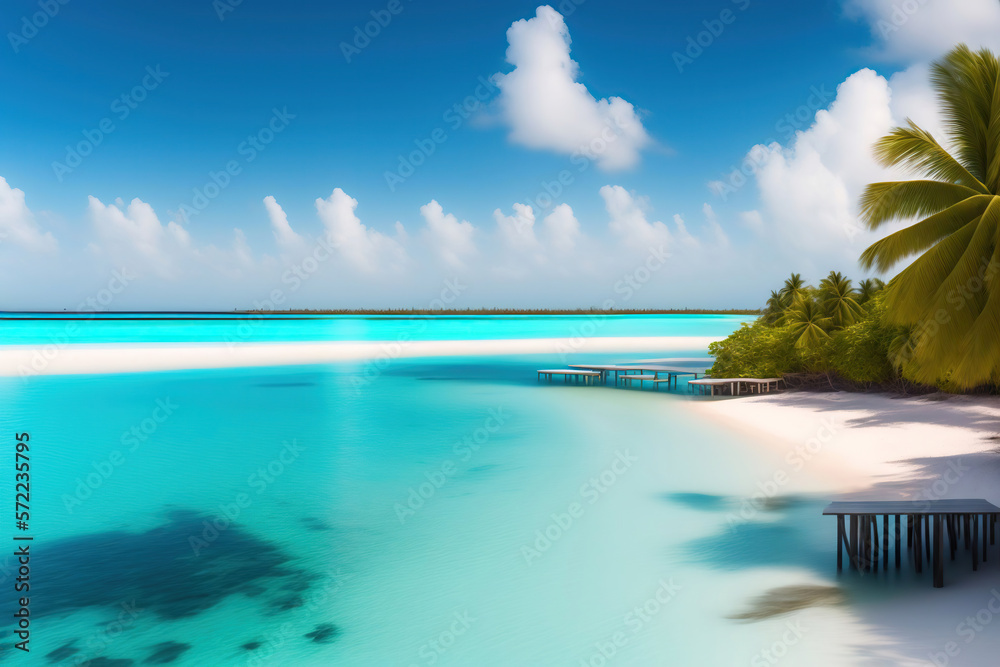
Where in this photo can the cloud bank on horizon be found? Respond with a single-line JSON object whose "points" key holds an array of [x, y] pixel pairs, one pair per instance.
{"points": [[806, 192]]}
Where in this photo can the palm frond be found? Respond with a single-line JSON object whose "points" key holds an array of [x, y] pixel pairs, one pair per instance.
{"points": [[909, 295], [887, 252], [901, 200], [963, 80], [916, 149]]}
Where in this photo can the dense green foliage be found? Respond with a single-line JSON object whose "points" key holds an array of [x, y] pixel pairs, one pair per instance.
{"points": [[835, 328], [938, 321]]}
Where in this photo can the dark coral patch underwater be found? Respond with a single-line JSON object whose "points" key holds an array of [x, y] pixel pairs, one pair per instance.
{"points": [[323, 634], [173, 571], [167, 652]]}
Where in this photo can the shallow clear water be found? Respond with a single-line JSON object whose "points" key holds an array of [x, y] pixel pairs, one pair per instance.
{"points": [[444, 512], [29, 328]]}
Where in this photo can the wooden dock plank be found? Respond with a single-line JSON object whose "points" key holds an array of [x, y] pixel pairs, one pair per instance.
{"points": [[917, 507]]}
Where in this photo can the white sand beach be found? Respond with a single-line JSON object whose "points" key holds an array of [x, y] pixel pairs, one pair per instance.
{"points": [[877, 446], [58, 359]]}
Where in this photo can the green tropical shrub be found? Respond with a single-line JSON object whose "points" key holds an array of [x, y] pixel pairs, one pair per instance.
{"points": [[836, 329]]}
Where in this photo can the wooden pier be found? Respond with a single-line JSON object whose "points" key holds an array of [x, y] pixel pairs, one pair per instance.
{"points": [[604, 369], [638, 377], [657, 374], [587, 377], [622, 370], [928, 523]]}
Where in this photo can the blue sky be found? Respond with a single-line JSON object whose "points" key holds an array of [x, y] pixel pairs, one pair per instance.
{"points": [[225, 76]]}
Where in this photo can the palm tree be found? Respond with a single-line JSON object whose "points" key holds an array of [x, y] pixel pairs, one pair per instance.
{"points": [[868, 288], [901, 348], [808, 323], [837, 297], [949, 293], [794, 289], [774, 309]]}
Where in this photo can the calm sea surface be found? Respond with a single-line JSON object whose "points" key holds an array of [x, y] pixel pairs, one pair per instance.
{"points": [[446, 511]]}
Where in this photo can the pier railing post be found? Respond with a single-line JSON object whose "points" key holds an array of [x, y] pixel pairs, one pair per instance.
{"points": [[985, 549], [975, 542], [874, 520], [897, 542], [927, 540], [885, 542], [852, 545], [938, 560], [840, 542]]}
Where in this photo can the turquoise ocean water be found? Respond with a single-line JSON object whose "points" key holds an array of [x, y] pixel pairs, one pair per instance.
{"points": [[445, 511]]}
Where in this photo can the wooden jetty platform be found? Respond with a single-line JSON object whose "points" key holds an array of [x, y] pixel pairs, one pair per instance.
{"points": [[672, 372], [575, 374], [604, 369], [928, 523], [760, 384], [638, 377], [622, 370]]}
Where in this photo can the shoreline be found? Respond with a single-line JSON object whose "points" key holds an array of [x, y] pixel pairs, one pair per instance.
{"points": [[858, 442], [72, 359], [884, 447]]}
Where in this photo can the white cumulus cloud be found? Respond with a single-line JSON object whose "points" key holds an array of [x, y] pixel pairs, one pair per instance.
{"points": [[449, 238], [17, 222], [286, 237], [134, 236], [919, 30], [518, 230], [364, 248], [629, 222], [809, 189], [547, 108], [562, 229]]}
